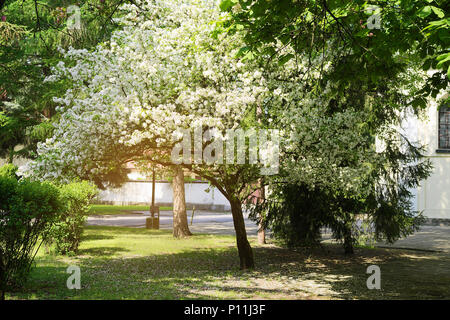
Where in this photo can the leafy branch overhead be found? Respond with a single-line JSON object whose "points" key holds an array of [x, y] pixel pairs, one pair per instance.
{"points": [[407, 31]]}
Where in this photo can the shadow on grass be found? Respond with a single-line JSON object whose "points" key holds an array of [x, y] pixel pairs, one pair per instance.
{"points": [[91, 237], [101, 251], [214, 274], [114, 230]]}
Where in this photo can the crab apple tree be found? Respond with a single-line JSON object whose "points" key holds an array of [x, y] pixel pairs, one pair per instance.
{"points": [[162, 72]]}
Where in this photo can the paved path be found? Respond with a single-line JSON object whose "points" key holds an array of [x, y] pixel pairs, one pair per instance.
{"points": [[428, 238], [436, 238], [203, 221]]}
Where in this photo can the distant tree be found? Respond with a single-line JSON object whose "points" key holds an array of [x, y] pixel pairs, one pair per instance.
{"points": [[31, 32]]}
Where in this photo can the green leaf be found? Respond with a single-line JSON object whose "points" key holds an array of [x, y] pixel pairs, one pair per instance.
{"points": [[439, 12], [436, 24], [444, 35], [443, 58], [270, 51], [225, 5], [242, 51], [419, 102], [424, 12], [285, 58]]}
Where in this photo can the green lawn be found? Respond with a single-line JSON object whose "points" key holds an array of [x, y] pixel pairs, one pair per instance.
{"points": [[105, 209], [129, 263]]}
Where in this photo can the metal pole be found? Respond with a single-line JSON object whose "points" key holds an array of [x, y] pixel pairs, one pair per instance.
{"points": [[193, 211]]}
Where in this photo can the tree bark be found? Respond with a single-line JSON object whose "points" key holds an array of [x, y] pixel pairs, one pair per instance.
{"points": [[10, 156], [244, 248], [180, 222], [348, 242], [261, 234], [261, 230]]}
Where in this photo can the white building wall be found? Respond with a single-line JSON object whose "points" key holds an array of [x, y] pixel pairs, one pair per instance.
{"points": [[433, 195], [140, 192]]}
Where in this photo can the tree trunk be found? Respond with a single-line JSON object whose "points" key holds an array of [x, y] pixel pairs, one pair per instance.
{"points": [[10, 156], [244, 248], [261, 234], [180, 222], [261, 231], [348, 242]]}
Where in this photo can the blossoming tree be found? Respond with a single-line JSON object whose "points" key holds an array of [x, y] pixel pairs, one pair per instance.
{"points": [[167, 70]]}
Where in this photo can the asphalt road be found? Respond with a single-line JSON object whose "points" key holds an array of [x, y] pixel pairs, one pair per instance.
{"points": [[434, 238], [202, 222]]}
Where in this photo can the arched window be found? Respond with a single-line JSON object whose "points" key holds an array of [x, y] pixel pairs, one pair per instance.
{"points": [[444, 127]]}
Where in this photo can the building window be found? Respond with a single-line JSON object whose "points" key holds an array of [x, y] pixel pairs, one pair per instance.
{"points": [[444, 128]]}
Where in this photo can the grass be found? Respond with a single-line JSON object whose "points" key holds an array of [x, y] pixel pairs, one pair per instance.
{"points": [[104, 209], [129, 263]]}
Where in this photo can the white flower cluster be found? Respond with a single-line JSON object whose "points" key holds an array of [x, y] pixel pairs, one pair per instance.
{"points": [[163, 71]]}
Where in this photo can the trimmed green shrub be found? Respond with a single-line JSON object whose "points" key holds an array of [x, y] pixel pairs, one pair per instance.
{"points": [[27, 209], [8, 170], [66, 232]]}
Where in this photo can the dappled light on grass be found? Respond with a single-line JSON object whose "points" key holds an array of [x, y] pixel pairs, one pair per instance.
{"points": [[129, 263], [418, 256]]}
